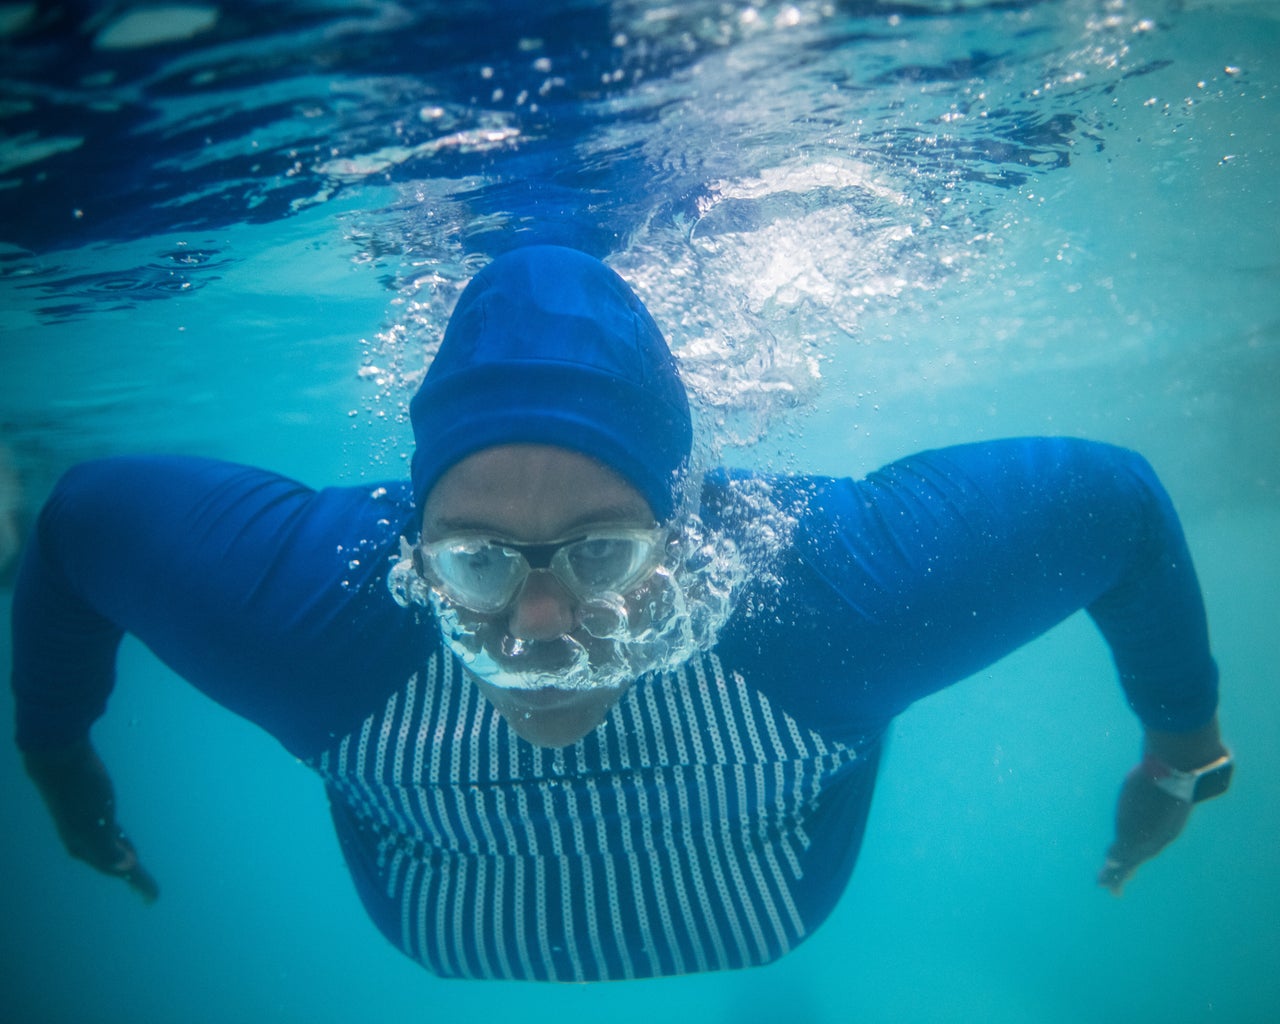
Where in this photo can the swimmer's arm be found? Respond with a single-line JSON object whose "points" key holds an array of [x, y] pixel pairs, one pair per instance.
{"points": [[987, 546], [947, 561], [1155, 623], [66, 632], [126, 545], [107, 556]]}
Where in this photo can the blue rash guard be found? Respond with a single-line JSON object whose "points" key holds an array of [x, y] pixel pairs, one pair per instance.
{"points": [[711, 821]]}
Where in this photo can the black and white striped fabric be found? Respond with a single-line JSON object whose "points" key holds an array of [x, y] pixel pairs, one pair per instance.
{"points": [[672, 839]]}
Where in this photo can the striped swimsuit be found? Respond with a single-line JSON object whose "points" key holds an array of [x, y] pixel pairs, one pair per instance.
{"points": [[671, 839]]}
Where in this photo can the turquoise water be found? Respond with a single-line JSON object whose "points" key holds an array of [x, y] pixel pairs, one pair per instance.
{"points": [[867, 229]]}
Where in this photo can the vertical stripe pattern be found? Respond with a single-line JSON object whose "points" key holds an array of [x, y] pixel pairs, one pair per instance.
{"points": [[671, 839]]}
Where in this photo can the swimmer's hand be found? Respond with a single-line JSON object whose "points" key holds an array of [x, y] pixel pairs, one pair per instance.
{"points": [[1147, 818], [78, 792]]}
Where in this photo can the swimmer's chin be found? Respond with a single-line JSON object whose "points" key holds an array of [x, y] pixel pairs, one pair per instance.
{"points": [[551, 717]]}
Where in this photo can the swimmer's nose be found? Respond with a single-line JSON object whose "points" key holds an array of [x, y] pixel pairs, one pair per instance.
{"points": [[543, 610]]}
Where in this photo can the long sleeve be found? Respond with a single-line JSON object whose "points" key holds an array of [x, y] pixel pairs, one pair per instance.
{"points": [[266, 595], [938, 565]]}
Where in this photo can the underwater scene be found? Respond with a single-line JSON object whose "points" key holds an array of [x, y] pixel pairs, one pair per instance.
{"points": [[866, 229]]}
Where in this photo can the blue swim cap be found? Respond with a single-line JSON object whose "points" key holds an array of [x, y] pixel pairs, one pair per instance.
{"points": [[549, 346]]}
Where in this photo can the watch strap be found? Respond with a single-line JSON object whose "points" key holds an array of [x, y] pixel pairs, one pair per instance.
{"points": [[1192, 786]]}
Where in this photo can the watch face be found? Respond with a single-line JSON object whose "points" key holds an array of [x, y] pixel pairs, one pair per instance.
{"points": [[1213, 782]]}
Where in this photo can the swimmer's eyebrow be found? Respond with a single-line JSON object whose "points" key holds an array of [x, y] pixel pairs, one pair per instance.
{"points": [[608, 515]]}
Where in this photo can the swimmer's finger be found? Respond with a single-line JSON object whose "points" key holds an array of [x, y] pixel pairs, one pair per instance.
{"points": [[1114, 874], [141, 882], [128, 867]]}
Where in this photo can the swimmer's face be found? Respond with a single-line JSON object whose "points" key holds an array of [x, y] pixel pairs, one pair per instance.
{"points": [[533, 494]]}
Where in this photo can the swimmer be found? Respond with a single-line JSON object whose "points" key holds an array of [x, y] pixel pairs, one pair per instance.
{"points": [[583, 708]]}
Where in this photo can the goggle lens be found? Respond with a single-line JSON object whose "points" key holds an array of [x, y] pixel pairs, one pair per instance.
{"points": [[596, 564], [478, 574]]}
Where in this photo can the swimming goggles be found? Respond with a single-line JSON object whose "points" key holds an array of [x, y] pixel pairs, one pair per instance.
{"points": [[484, 574]]}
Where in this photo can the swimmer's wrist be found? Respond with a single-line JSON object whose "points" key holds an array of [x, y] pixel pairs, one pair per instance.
{"points": [[44, 761], [1185, 751]]}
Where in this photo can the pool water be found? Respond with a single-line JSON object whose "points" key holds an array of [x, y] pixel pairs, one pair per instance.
{"points": [[866, 228]]}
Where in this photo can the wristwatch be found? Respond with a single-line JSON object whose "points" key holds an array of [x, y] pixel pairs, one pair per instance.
{"points": [[1191, 787]]}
